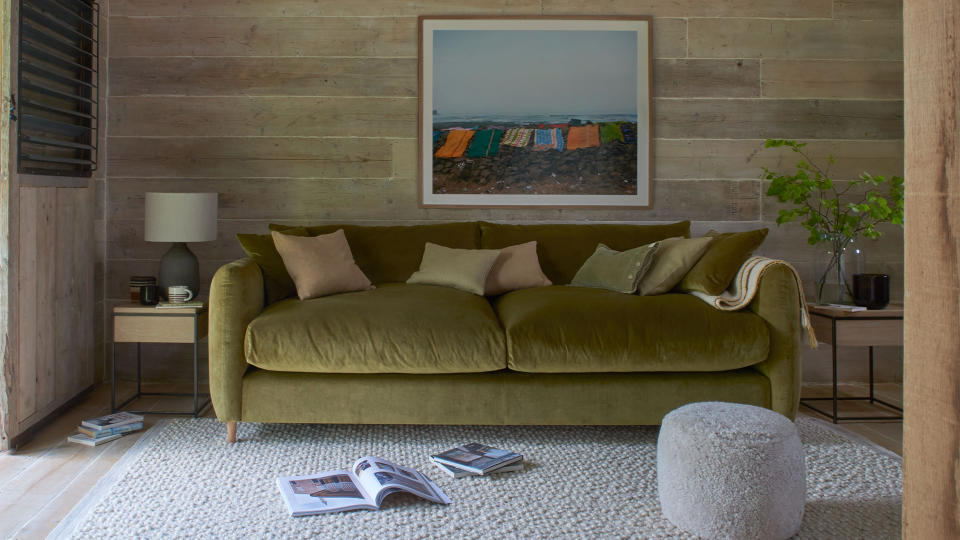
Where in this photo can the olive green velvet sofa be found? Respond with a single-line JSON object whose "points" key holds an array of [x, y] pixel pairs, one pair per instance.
{"points": [[421, 354]]}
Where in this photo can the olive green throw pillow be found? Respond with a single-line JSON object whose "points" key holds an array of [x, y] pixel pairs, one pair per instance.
{"points": [[719, 265], [464, 269], [260, 248], [673, 259], [619, 271]]}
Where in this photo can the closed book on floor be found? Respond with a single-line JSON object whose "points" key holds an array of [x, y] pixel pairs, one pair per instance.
{"points": [[118, 430], [454, 472], [112, 420], [477, 458], [80, 438]]}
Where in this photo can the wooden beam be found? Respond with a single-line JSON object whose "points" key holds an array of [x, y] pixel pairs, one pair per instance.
{"points": [[931, 437], [8, 371]]}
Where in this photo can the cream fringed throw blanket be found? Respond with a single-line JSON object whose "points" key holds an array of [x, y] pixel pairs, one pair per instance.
{"points": [[745, 286]]}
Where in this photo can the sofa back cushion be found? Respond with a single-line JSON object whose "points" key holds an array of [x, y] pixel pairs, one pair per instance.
{"points": [[563, 248], [392, 254]]}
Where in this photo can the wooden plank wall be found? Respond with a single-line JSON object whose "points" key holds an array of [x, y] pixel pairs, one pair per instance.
{"points": [[55, 269], [931, 436], [302, 111]]}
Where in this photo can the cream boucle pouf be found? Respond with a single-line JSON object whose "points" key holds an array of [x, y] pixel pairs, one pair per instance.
{"points": [[726, 470]]}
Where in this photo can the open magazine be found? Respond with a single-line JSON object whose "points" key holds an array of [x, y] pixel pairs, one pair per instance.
{"points": [[363, 487]]}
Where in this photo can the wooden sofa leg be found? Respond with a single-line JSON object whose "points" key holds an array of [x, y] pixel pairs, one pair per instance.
{"points": [[232, 431]]}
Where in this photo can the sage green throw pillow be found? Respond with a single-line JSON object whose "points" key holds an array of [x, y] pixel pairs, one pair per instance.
{"points": [[463, 269], [260, 248], [619, 271], [673, 259], [719, 265]]}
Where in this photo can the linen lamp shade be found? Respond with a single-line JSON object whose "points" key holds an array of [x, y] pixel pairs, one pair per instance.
{"points": [[180, 218]]}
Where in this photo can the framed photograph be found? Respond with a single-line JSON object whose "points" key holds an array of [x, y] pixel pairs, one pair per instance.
{"points": [[535, 111]]}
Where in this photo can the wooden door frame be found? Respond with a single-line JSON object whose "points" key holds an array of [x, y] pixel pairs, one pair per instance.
{"points": [[8, 342], [931, 385]]}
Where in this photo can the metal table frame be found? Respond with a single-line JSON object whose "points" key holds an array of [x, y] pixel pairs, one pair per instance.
{"points": [[836, 399], [198, 407]]}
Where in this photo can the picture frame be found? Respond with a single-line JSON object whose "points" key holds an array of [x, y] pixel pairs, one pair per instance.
{"points": [[538, 112]]}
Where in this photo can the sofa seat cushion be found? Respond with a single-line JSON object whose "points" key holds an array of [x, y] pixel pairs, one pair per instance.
{"points": [[395, 328], [566, 329]]}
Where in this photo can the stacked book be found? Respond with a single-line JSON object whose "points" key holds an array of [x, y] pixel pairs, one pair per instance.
{"points": [[477, 459], [106, 428]]}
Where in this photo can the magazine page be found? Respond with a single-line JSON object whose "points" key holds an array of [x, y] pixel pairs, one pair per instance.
{"points": [[381, 477], [330, 491]]}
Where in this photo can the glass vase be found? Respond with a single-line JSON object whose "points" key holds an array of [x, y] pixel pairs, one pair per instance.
{"points": [[834, 269]]}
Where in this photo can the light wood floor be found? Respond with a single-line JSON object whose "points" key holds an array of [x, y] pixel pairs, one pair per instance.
{"points": [[42, 481]]}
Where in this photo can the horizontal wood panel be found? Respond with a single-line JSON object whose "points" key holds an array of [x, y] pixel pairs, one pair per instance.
{"points": [[246, 36], [694, 8], [862, 79], [263, 116], [319, 8], [772, 38], [278, 198], [868, 9], [302, 36], [706, 78], [762, 118], [380, 8], [705, 158], [263, 76], [673, 158], [241, 156], [383, 77]]}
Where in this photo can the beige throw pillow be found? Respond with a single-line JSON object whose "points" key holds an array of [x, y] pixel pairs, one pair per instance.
{"points": [[517, 267], [673, 259], [320, 265], [464, 269]]}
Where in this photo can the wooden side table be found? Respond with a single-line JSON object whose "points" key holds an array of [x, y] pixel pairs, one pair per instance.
{"points": [[133, 323], [870, 328]]}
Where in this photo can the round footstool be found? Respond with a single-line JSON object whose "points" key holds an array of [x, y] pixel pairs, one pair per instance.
{"points": [[726, 470]]}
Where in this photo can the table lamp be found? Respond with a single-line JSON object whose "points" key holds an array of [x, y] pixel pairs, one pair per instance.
{"points": [[180, 218]]}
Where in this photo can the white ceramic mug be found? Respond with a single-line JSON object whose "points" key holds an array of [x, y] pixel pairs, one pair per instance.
{"points": [[179, 293]]}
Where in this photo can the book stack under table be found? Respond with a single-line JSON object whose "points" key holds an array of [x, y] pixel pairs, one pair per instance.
{"points": [[96, 431], [477, 459]]}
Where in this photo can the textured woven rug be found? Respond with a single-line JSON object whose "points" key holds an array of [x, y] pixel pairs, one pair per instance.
{"points": [[182, 480]]}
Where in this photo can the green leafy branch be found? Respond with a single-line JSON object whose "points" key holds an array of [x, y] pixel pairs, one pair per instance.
{"points": [[832, 214], [823, 209]]}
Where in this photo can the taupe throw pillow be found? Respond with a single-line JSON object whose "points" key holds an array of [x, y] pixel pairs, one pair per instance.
{"points": [[619, 271], [673, 259], [320, 265], [517, 267], [464, 269]]}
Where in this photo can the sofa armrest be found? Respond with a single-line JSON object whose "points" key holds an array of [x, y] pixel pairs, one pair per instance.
{"points": [[236, 298], [778, 303]]}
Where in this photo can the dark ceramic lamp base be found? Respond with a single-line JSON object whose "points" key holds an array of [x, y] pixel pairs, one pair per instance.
{"points": [[179, 266]]}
